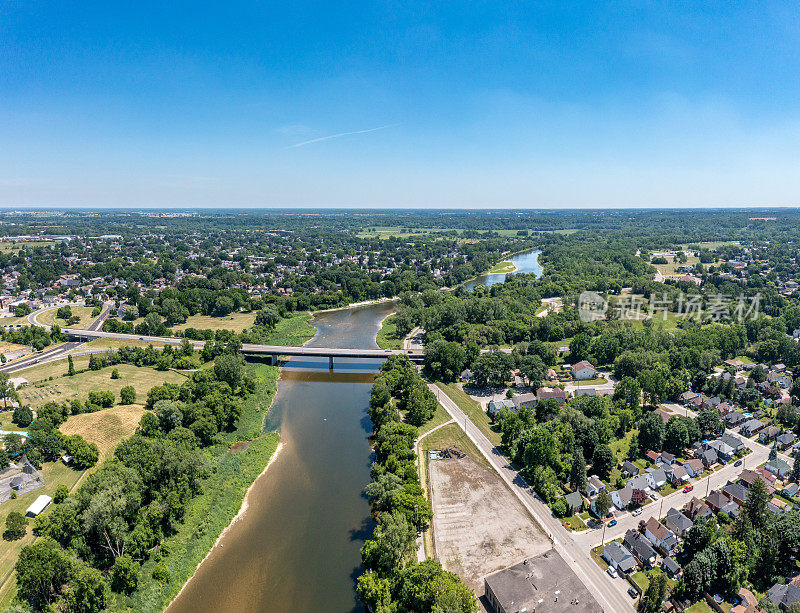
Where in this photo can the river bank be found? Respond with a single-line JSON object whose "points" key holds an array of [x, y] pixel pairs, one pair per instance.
{"points": [[242, 510], [223, 503]]}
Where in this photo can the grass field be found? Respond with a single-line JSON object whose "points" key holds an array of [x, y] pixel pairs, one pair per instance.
{"points": [[56, 368], [106, 428], [502, 267], [387, 336], [235, 322], [48, 318], [8, 246], [439, 417], [473, 410], [292, 331], [113, 343], [66, 388]]}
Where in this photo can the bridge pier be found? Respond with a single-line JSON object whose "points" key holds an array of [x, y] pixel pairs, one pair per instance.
{"points": [[330, 363]]}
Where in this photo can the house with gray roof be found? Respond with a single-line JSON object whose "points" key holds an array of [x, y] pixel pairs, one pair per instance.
{"points": [[778, 467], [575, 501], [640, 547], [734, 442], [630, 468], [677, 522], [594, 485], [751, 427], [496, 405], [619, 557], [784, 595]]}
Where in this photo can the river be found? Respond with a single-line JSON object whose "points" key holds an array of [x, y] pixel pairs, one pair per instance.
{"points": [[525, 262], [297, 546]]}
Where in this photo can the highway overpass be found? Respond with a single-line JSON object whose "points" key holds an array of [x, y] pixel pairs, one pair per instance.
{"points": [[273, 351]]}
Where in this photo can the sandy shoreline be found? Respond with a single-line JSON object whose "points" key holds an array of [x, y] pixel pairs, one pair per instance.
{"points": [[236, 518]]}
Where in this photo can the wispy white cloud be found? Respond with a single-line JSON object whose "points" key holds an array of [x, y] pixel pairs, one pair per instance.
{"points": [[332, 136]]}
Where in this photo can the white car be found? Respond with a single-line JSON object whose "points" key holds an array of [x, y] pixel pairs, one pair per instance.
{"points": [[637, 512], [612, 572]]}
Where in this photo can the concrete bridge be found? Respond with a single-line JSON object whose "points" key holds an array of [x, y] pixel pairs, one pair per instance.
{"points": [[272, 351]]}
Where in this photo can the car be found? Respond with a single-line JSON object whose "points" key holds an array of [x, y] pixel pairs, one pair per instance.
{"points": [[141, 338], [637, 512], [737, 463], [652, 496], [613, 522], [632, 592], [612, 572], [688, 488]]}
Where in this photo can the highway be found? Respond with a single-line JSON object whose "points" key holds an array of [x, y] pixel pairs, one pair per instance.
{"points": [[610, 593]]}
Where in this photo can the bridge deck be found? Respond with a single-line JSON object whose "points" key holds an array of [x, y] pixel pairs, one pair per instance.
{"points": [[322, 352]]}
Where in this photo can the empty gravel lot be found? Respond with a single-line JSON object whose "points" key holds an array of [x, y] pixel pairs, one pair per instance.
{"points": [[479, 526]]}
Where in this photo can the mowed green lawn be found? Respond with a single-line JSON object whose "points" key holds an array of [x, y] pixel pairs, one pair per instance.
{"points": [[48, 318], [473, 410]]}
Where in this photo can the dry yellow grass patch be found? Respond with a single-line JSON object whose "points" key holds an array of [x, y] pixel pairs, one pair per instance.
{"points": [[106, 428]]}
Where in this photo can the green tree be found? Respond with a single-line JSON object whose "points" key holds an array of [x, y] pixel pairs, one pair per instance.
{"points": [[127, 395], [7, 391], [124, 574], [61, 493], [16, 526], [602, 504], [391, 545], [88, 591], [95, 362], [492, 369], [70, 367], [629, 392], [23, 416], [577, 473], [229, 368], [651, 432], [602, 461], [654, 595], [676, 435], [42, 570], [268, 317], [755, 507], [115, 374]]}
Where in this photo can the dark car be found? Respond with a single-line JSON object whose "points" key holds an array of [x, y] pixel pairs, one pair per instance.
{"points": [[737, 463], [633, 593]]}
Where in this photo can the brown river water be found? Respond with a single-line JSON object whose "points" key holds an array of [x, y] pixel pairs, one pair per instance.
{"points": [[297, 546]]}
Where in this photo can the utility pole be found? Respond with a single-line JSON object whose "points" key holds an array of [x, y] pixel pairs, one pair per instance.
{"points": [[603, 538]]}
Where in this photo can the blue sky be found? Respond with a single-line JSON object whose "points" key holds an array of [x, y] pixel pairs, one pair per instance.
{"points": [[439, 104]]}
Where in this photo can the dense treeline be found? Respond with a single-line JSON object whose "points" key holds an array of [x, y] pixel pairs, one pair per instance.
{"points": [[95, 541], [393, 581]]}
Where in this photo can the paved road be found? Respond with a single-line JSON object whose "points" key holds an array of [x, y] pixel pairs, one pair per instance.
{"points": [[610, 593]]}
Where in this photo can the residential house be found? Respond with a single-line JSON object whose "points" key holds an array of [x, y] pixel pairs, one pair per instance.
{"points": [[734, 442], [677, 522], [736, 492], [734, 418], [524, 400], [664, 415], [723, 451], [583, 370], [747, 477], [791, 490], [672, 568], [740, 382], [731, 509], [784, 595], [697, 508], [778, 467], [694, 468], [716, 500], [751, 427], [686, 397], [622, 498], [768, 434], [786, 440], [723, 408], [496, 405], [676, 473], [653, 456], [640, 547], [619, 557], [748, 603], [661, 537], [709, 458], [779, 379], [657, 478], [667, 457], [594, 485], [556, 393], [641, 482], [629, 468]]}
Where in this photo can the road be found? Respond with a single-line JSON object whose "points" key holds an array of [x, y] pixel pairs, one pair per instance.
{"points": [[610, 593]]}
